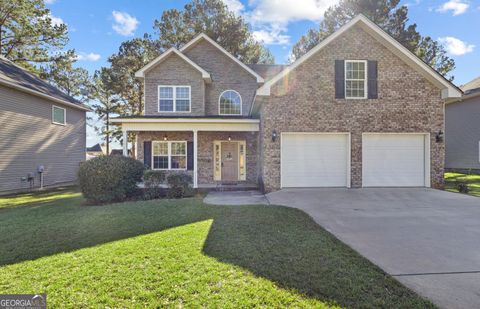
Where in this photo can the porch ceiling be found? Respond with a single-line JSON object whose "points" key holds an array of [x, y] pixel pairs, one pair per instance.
{"points": [[188, 124]]}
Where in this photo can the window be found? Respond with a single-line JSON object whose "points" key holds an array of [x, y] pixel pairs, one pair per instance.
{"points": [[230, 103], [58, 115], [356, 79], [174, 99], [169, 155]]}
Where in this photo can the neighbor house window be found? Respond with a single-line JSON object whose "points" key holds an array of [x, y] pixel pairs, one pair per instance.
{"points": [[230, 103], [356, 79], [174, 99], [169, 155], [58, 115]]}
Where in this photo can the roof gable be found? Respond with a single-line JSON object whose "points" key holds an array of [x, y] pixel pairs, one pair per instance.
{"points": [[448, 89], [203, 36], [172, 51]]}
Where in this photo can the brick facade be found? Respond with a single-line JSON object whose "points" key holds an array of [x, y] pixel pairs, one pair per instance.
{"points": [[305, 101], [176, 72], [226, 74], [205, 150]]}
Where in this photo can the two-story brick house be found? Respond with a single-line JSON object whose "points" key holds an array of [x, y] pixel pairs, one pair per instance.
{"points": [[357, 110]]}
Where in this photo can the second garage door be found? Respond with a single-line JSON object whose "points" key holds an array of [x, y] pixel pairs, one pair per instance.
{"points": [[314, 160], [394, 160]]}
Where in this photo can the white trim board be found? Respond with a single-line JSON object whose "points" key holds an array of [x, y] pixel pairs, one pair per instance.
{"points": [[448, 89], [203, 36], [189, 127], [141, 73], [185, 120]]}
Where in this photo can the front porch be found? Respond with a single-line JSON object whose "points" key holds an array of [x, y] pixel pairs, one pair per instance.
{"points": [[218, 153]]}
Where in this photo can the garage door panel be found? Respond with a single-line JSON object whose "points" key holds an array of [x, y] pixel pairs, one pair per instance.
{"points": [[393, 160], [314, 160]]}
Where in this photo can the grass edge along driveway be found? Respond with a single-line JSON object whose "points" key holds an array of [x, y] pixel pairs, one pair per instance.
{"points": [[184, 253], [471, 180]]}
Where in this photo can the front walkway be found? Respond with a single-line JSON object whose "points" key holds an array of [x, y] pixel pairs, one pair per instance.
{"points": [[235, 198], [427, 239]]}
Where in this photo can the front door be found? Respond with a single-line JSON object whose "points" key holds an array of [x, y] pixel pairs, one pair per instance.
{"points": [[230, 161]]}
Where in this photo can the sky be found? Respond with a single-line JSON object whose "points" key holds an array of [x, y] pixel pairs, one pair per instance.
{"points": [[97, 28]]}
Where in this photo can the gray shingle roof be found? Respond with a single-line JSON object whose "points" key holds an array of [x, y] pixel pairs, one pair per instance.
{"points": [[471, 86], [267, 71], [95, 148], [16, 75]]}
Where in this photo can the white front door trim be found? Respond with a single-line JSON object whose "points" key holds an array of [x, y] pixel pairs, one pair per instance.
{"points": [[217, 175]]}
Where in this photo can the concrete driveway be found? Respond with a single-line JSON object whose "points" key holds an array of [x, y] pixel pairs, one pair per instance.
{"points": [[427, 239]]}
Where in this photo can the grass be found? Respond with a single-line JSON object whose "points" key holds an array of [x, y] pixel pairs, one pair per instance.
{"points": [[183, 253], [38, 197], [473, 182]]}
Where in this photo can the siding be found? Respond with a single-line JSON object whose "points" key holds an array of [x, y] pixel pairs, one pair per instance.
{"points": [[226, 74], [174, 71], [462, 134], [29, 139]]}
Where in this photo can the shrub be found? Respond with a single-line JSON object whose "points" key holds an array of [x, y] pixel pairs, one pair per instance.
{"points": [[109, 178], [152, 181], [179, 185]]}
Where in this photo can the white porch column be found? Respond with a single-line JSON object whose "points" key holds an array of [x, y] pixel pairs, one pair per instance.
{"points": [[195, 151], [125, 143]]}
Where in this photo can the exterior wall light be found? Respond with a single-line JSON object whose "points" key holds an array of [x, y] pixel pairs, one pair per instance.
{"points": [[165, 137], [439, 136], [274, 135], [229, 138]]}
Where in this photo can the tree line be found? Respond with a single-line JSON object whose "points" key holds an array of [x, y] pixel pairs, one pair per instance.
{"points": [[30, 37]]}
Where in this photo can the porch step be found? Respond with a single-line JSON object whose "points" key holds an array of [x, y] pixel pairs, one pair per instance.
{"points": [[237, 187], [229, 187]]}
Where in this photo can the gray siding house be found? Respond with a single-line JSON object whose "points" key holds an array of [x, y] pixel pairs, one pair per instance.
{"points": [[462, 130], [42, 129], [358, 110]]}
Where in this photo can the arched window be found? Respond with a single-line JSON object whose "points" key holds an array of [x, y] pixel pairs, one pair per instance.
{"points": [[230, 103]]}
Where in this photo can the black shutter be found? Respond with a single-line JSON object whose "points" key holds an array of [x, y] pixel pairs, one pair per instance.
{"points": [[339, 79], [147, 154], [372, 79], [190, 156]]}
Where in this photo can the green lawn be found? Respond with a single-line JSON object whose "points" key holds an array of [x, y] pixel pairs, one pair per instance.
{"points": [[183, 253], [473, 182]]}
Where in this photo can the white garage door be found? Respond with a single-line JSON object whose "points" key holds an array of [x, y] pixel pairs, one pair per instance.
{"points": [[393, 160], [314, 160]]}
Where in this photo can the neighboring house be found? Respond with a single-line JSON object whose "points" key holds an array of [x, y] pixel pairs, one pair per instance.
{"points": [[95, 151], [119, 152], [42, 129], [357, 110], [462, 129]]}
